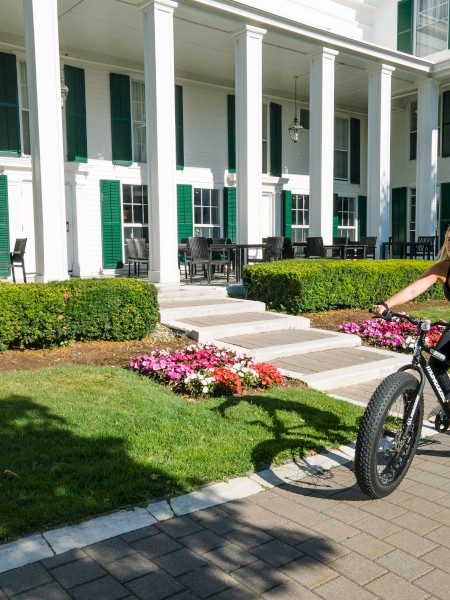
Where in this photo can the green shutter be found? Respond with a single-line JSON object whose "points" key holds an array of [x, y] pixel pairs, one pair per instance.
{"points": [[184, 208], [335, 216], [4, 227], [446, 124], [286, 213], [9, 107], [76, 115], [355, 150], [405, 23], [444, 220], [111, 224], [398, 221], [120, 119], [229, 213], [362, 216], [231, 133], [275, 139], [179, 128]]}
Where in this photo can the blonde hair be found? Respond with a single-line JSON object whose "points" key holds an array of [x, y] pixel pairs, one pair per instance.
{"points": [[443, 254]]}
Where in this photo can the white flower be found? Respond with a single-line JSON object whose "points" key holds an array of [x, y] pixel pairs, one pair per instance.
{"points": [[205, 389]]}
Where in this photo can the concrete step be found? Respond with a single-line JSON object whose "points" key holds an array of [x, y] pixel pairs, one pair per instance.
{"points": [[265, 346], [334, 368], [178, 292], [213, 327], [177, 309]]}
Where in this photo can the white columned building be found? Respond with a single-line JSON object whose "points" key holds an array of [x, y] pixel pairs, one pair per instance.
{"points": [[379, 152], [248, 65], [161, 145], [47, 151], [427, 155], [321, 144]]}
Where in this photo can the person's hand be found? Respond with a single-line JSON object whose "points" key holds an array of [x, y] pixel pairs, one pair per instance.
{"points": [[379, 309]]}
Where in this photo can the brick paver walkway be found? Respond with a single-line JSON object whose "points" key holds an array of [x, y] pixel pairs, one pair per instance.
{"points": [[317, 537]]}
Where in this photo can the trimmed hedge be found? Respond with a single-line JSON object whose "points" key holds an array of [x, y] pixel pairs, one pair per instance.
{"points": [[39, 315], [306, 285]]}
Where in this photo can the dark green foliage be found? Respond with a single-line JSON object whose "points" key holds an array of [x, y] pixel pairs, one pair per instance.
{"points": [[301, 286], [39, 315]]}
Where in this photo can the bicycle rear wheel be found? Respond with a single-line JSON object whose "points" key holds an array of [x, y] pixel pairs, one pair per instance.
{"points": [[384, 449]]}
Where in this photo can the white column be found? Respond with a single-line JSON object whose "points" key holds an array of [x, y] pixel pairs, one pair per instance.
{"points": [[47, 153], [427, 156], [321, 144], [248, 57], [379, 153], [161, 149]]}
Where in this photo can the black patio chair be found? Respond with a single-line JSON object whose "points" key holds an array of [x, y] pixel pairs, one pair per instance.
{"points": [[288, 249], [315, 248], [340, 241], [274, 248], [16, 257], [200, 255], [425, 247], [371, 242]]}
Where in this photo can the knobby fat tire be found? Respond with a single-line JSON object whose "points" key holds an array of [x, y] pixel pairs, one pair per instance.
{"points": [[370, 431]]}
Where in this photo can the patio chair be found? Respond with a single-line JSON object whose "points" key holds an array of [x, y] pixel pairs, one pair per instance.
{"points": [[274, 248], [137, 254], [288, 249], [16, 257], [371, 242], [422, 249], [200, 255], [339, 241], [182, 262], [315, 248]]}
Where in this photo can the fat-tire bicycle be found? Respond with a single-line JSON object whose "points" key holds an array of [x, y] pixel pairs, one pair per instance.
{"points": [[390, 428]]}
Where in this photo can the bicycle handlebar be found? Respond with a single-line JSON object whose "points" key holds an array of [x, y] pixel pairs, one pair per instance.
{"points": [[388, 315]]}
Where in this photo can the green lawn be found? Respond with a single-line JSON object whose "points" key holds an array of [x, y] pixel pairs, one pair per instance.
{"points": [[78, 441], [438, 313]]}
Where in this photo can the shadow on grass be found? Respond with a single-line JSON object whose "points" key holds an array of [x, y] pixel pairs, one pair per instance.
{"points": [[313, 427], [49, 476]]}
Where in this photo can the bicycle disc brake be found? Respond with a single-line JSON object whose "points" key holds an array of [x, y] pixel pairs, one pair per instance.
{"points": [[442, 422]]}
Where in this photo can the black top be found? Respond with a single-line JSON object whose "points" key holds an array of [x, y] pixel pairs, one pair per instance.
{"points": [[447, 284]]}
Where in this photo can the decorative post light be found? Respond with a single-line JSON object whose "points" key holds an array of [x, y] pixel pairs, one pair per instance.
{"points": [[295, 129]]}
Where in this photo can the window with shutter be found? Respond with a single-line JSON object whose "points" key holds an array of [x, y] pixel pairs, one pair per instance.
{"points": [[355, 150], [179, 127], [4, 227], [76, 115], [231, 114], [286, 213], [184, 211], [405, 19], [9, 107], [229, 213], [120, 119], [111, 224], [275, 139]]}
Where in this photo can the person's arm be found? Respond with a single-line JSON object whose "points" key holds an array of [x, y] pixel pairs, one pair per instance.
{"points": [[411, 291]]}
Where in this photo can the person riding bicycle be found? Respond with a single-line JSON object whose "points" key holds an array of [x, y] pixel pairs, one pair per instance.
{"points": [[440, 271]]}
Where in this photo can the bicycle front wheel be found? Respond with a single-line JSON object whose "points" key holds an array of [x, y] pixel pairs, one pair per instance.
{"points": [[385, 446]]}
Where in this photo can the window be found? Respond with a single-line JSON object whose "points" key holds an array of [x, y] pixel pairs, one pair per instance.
{"points": [[135, 212], [412, 215], [300, 217], [346, 217], [413, 131], [264, 139], [431, 26], [24, 108], [341, 151], [206, 213], [138, 121]]}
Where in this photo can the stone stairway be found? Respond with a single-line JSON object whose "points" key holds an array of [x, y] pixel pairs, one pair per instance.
{"points": [[324, 360]]}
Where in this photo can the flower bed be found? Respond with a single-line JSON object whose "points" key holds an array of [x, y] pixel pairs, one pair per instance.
{"points": [[206, 370], [391, 335]]}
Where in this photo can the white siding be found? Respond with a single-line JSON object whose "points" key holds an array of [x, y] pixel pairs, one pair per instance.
{"points": [[385, 24]]}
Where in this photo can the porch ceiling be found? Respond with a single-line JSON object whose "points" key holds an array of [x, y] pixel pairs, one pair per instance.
{"points": [[110, 31]]}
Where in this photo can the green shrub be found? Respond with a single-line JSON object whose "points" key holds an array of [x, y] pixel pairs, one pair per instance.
{"points": [[300, 286], [40, 315]]}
